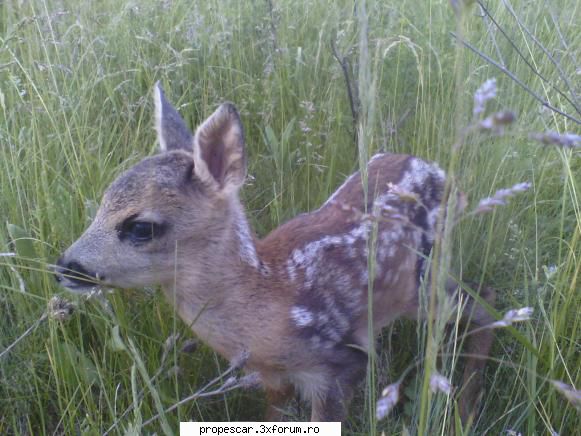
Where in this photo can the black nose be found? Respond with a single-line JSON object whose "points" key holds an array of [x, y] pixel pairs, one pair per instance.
{"points": [[74, 272]]}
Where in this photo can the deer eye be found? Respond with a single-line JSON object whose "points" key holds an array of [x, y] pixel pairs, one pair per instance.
{"points": [[139, 231]]}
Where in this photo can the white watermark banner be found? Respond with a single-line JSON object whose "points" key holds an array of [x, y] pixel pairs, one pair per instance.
{"points": [[259, 428]]}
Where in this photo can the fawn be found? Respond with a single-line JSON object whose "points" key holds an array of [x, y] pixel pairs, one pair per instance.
{"points": [[297, 300]]}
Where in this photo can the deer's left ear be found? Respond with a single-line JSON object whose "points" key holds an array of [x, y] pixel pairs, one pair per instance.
{"points": [[219, 155], [172, 133]]}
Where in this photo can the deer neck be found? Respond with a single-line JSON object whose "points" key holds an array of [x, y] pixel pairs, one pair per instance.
{"points": [[210, 288]]}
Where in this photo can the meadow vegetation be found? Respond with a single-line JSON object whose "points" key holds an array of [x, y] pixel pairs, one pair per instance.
{"points": [[76, 110]]}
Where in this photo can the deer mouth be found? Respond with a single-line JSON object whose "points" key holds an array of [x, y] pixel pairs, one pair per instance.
{"points": [[77, 289], [74, 277]]}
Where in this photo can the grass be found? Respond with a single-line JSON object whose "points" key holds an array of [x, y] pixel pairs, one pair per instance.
{"points": [[75, 110]]}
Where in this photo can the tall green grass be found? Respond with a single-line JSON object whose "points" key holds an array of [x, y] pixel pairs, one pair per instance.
{"points": [[75, 110]]}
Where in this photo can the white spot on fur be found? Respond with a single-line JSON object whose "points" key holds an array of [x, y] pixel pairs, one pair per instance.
{"points": [[365, 277], [432, 220], [418, 172], [383, 207], [387, 243], [413, 179], [334, 268], [298, 257], [351, 252], [310, 257], [302, 316], [381, 253], [291, 270]]}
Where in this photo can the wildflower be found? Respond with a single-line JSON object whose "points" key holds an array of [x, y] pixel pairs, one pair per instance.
{"points": [[60, 309], [486, 92], [389, 398], [567, 140], [514, 315], [501, 196], [439, 383], [569, 392]]}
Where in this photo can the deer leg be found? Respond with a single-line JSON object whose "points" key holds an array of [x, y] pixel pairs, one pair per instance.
{"points": [[331, 406], [276, 399], [344, 375], [477, 349]]}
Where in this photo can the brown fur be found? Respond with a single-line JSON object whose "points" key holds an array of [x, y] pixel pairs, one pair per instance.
{"points": [[295, 300]]}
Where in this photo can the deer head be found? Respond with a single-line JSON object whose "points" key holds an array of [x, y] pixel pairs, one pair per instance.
{"points": [[178, 203]]}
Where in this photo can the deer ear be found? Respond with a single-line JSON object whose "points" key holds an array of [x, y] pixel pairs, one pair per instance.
{"points": [[219, 155], [172, 133]]}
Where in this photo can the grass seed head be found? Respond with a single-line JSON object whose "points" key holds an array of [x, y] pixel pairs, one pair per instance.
{"points": [[485, 92], [569, 392], [497, 121], [388, 400], [566, 140], [251, 381], [230, 382], [439, 383], [500, 197], [514, 315], [60, 309], [169, 345]]}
